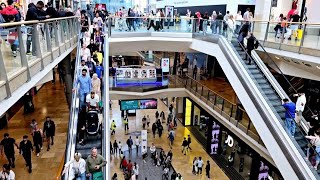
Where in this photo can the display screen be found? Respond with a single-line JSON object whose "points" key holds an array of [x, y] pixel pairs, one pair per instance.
{"points": [[129, 104], [138, 104], [165, 65], [148, 104], [215, 138]]}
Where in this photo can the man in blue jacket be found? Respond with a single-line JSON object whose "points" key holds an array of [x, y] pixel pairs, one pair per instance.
{"points": [[290, 115]]}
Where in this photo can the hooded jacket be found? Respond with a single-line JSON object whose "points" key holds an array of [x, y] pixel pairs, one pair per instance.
{"points": [[9, 13]]}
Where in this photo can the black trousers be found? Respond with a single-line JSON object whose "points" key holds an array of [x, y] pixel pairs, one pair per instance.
{"points": [[27, 158], [10, 157]]}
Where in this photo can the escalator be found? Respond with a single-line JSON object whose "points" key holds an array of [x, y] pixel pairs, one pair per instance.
{"points": [[261, 96]]}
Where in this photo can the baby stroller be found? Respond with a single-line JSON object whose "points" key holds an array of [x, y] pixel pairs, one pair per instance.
{"points": [[92, 122]]}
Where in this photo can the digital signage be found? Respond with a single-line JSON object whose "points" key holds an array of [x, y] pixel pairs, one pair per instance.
{"points": [[129, 104], [138, 104]]}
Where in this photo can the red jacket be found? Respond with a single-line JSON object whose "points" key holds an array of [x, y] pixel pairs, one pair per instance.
{"points": [[10, 11]]}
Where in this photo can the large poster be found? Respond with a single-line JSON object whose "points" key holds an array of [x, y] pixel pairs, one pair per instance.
{"points": [[169, 11], [214, 138], [263, 171], [165, 64], [144, 138]]}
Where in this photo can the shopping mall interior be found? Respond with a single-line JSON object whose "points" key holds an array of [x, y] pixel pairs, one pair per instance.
{"points": [[160, 89]]}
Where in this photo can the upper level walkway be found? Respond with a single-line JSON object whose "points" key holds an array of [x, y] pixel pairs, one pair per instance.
{"points": [[29, 50]]}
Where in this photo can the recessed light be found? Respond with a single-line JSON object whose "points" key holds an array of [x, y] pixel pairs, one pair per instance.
{"points": [[277, 57], [318, 67]]}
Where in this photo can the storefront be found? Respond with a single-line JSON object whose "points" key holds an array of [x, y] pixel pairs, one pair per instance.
{"points": [[221, 143]]}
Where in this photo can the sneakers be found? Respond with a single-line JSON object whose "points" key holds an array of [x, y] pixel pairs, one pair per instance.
{"points": [[14, 53], [38, 155], [28, 53]]}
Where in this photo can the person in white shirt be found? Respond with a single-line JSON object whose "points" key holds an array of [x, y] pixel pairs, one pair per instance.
{"points": [[78, 166], [6, 173], [152, 150], [200, 165], [246, 15], [83, 66], [85, 52], [238, 20], [98, 20], [148, 120], [137, 143], [92, 100], [231, 28], [144, 153], [136, 170], [300, 104]]}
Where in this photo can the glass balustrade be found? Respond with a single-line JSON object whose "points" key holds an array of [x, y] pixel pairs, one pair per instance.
{"points": [[24, 44]]}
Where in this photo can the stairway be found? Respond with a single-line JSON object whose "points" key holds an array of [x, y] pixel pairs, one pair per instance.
{"points": [[270, 95], [90, 142]]}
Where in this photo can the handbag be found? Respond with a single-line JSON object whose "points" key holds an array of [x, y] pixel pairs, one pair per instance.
{"points": [[97, 175]]}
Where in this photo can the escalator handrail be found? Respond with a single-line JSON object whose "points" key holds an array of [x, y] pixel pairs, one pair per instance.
{"points": [[74, 110], [266, 107]]}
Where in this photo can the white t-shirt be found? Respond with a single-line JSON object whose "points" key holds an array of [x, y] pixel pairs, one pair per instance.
{"points": [[200, 163], [119, 145], [137, 141], [94, 101], [136, 170], [97, 19], [152, 149], [81, 165], [10, 176], [144, 151], [246, 16], [85, 53]]}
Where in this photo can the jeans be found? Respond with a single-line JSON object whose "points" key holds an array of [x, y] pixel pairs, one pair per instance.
{"points": [[291, 125], [82, 99], [82, 176]]}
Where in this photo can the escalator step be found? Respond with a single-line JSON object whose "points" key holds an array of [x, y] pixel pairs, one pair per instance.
{"points": [[273, 97], [93, 137], [90, 144], [252, 66], [276, 103], [258, 76], [262, 81], [269, 91], [255, 71], [303, 144], [265, 86], [86, 152]]}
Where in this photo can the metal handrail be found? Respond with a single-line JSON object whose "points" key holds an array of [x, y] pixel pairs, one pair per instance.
{"points": [[35, 21]]}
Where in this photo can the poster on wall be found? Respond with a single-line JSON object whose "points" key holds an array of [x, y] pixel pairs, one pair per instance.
{"points": [[169, 13], [144, 139], [165, 64], [263, 171], [214, 138]]}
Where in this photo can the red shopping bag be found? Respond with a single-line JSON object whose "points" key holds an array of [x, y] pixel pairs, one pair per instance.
{"points": [[12, 37]]}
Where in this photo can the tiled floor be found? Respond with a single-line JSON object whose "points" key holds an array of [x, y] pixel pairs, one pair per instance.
{"points": [[181, 163], [50, 101]]}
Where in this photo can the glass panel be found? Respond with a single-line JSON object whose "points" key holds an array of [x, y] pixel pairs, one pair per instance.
{"points": [[259, 30], [275, 33], [27, 41], [42, 38], [227, 107], [219, 102], [312, 37], [52, 26], [10, 49]]}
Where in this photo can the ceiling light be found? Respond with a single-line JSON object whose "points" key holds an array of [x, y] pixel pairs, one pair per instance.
{"points": [[277, 57]]}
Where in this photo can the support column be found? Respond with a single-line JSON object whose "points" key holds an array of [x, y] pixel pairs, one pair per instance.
{"points": [[150, 54], [179, 107], [67, 77]]}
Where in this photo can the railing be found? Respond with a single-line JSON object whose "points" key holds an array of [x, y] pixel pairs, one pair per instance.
{"points": [[74, 112], [27, 47]]}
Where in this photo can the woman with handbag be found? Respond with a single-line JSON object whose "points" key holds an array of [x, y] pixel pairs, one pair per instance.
{"points": [[315, 142]]}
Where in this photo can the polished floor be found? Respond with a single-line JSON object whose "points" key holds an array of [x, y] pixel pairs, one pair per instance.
{"points": [[50, 101], [181, 163]]}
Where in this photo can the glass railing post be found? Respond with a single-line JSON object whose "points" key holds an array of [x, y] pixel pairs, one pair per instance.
{"points": [[231, 112], [67, 30], [36, 41], [248, 126], [56, 38], [222, 107], [201, 90], [302, 38], [215, 100], [109, 26], [4, 75], [194, 26], [48, 39], [253, 24], [62, 28], [208, 96], [282, 38], [23, 55], [266, 35]]}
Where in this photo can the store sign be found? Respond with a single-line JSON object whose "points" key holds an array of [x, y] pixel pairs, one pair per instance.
{"points": [[229, 141], [185, 3], [165, 64]]}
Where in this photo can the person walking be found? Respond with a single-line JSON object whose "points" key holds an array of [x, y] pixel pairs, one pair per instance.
{"points": [[154, 129], [78, 167], [94, 164], [171, 139], [184, 146], [130, 168], [157, 115], [37, 139], [136, 170], [8, 148], [148, 120], [194, 166], [120, 147], [208, 169], [189, 142], [160, 129], [144, 121], [290, 115], [113, 127], [194, 74], [144, 153], [129, 143], [49, 129], [200, 165], [300, 104], [137, 143], [126, 124], [115, 147], [25, 149]]}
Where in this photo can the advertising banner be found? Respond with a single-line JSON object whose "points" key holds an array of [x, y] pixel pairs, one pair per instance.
{"points": [[144, 138], [165, 65]]}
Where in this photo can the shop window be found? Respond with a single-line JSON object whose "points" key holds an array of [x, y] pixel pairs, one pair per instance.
{"points": [[187, 118]]}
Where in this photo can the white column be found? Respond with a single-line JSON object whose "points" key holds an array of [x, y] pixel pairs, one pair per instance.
{"points": [[150, 54], [262, 10]]}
